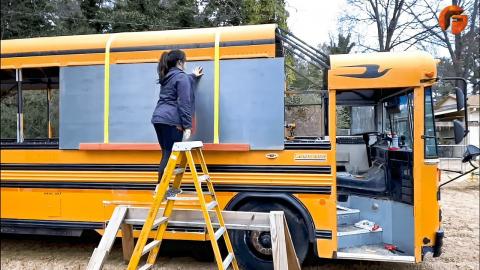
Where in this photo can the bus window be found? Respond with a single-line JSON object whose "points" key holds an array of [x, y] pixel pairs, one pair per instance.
{"points": [[430, 134], [352, 120], [40, 103], [306, 111], [8, 105], [398, 117]]}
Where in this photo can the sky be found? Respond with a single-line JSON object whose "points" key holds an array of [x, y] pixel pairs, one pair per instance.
{"points": [[313, 20]]}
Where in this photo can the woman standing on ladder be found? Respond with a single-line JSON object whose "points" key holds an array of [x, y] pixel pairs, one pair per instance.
{"points": [[172, 117]]}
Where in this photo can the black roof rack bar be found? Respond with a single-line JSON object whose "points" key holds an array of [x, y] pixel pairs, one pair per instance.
{"points": [[302, 51], [303, 57], [287, 33], [301, 75]]}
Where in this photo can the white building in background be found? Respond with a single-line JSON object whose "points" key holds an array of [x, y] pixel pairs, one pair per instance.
{"points": [[445, 113]]}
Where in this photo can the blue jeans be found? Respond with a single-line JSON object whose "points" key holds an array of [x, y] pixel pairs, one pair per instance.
{"points": [[167, 135]]}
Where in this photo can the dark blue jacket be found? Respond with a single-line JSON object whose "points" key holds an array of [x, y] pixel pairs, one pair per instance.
{"points": [[176, 103]]}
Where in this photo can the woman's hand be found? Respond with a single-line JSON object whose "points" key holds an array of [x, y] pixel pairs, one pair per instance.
{"points": [[186, 134], [197, 71]]}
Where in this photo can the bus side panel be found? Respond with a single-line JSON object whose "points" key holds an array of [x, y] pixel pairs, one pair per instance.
{"points": [[322, 208], [426, 206], [76, 186]]}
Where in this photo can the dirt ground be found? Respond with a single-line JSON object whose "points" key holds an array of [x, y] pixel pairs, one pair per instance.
{"points": [[460, 204]]}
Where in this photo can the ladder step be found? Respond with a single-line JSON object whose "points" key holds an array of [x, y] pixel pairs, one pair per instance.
{"points": [[157, 221], [178, 171], [186, 146], [146, 266], [204, 178], [176, 198], [219, 233], [211, 205], [228, 260], [150, 246], [195, 193]]}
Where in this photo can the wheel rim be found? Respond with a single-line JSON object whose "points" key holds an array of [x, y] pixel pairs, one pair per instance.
{"points": [[260, 244]]}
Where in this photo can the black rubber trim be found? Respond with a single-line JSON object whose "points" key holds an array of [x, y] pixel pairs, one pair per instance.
{"points": [[307, 146], [83, 225], [154, 167], [51, 224], [275, 189], [29, 144], [323, 234], [78, 185], [143, 48], [151, 186]]}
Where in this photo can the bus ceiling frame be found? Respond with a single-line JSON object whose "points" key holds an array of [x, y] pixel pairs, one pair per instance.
{"points": [[457, 125]]}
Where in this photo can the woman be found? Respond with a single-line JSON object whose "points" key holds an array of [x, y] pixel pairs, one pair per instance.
{"points": [[172, 118]]}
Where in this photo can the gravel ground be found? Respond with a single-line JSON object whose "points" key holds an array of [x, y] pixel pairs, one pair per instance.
{"points": [[461, 245]]}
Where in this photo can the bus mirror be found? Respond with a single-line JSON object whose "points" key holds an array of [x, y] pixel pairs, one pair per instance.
{"points": [[458, 131], [460, 98]]}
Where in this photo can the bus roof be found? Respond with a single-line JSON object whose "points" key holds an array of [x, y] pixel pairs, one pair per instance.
{"points": [[381, 70], [250, 41]]}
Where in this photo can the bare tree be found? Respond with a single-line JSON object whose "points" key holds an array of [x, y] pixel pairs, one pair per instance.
{"points": [[388, 18], [463, 49], [402, 24]]}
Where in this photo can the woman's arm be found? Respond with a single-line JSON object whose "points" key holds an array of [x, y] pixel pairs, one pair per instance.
{"points": [[184, 102]]}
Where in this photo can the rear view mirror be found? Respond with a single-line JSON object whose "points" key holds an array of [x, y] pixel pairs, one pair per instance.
{"points": [[458, 131], [460, 98], [470, 153]]}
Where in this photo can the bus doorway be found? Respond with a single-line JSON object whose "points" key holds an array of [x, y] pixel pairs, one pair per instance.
{"points": [[374, 174]]}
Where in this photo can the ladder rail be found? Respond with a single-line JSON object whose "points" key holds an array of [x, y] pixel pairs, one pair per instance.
{"points": [[152, 255], [218, 211], [206, 215], [152, 213]]}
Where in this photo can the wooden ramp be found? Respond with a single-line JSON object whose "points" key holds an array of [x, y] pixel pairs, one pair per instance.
{"points": [[283, 252]]}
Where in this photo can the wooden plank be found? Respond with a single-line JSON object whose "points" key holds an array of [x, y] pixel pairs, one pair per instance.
{"points": [[292, 258], [156, 147], [279, 250], [128, 243], [112, 228], [97, 259], [106, 243], [234, 220]]}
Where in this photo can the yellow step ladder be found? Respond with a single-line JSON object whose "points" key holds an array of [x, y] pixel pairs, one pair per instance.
{"points": [[182, 155]]}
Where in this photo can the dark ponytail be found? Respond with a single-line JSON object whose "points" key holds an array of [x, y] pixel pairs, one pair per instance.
{"points": [[169, 60]]}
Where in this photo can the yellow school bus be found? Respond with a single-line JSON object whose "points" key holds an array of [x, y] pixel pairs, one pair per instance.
{"points": [[368, 194]]}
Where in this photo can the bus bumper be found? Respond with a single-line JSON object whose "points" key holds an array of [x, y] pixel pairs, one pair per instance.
{"points": [[437, 249]]}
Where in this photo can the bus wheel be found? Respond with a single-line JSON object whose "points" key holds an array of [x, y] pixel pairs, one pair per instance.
{"points": [[253, 249]]}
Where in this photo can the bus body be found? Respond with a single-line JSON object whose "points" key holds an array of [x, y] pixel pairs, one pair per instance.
{"points": [[325, 185]]}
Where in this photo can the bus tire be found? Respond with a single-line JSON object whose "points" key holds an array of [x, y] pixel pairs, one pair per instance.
{"points": [[251, 247]]}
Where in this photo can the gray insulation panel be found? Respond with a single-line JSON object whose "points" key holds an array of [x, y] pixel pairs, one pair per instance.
{"points": [[251, 103], [81, 106]]}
